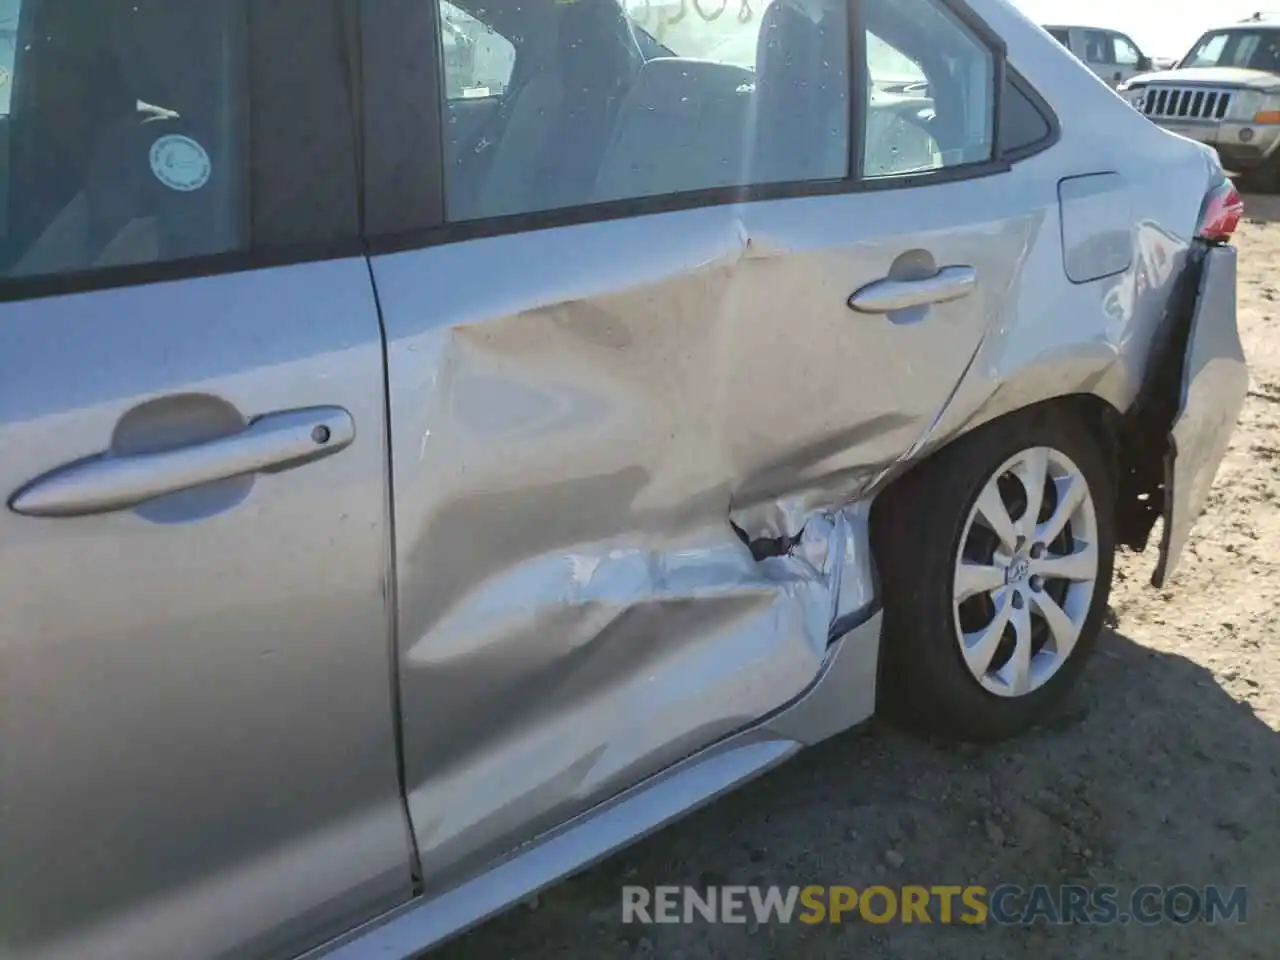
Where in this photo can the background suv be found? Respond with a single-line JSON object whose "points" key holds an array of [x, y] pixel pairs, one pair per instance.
{"points": [[1226, 93]]}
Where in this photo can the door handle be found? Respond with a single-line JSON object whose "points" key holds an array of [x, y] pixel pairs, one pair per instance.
{"points": [[888, 295], [109, 482]]}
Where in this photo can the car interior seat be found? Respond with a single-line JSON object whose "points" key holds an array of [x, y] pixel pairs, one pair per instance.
{"points": [[551, 145], [684, 125], [109, 221], [802, 92]]}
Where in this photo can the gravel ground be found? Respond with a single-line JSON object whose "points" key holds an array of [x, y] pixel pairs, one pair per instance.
{"points": [[1163, 767]]}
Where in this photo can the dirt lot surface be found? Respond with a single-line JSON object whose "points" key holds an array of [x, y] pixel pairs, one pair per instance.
{"points": [[1163, 768]]}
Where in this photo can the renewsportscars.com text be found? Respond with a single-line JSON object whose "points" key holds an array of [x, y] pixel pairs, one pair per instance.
{"points": [[1005, 904]]}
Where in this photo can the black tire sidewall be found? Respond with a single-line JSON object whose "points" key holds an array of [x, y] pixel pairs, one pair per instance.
{"points": [[924, 672]]}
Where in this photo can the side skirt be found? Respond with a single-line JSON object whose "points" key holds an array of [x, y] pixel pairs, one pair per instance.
{"points": [[842, 696]]}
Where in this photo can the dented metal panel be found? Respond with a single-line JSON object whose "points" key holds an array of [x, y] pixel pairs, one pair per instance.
{"points": [[630, 464]]}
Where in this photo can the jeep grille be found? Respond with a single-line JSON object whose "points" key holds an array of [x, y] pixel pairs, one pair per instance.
{"points": [[1186, 103]]}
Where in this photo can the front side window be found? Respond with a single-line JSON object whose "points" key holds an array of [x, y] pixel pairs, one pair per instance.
{"points": [[1098, 47], [1126, 54], [612, 101], [1250, 49], [121, 140], [931, 103]]}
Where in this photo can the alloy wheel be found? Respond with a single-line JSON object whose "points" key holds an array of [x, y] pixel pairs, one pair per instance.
{"points": [[1025, 572]]}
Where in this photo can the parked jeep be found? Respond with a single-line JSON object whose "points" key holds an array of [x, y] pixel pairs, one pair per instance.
{"points": [[1226, 93]]}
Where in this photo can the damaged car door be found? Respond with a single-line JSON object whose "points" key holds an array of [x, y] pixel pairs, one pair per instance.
{"points": [[646, 335]]}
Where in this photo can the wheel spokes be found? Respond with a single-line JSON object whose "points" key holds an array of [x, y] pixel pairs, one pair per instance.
{"points": [[1069, 501], [1017, 672], [1039, 576], [1032, 473], [1062, 629], [980, 646], [1078, 567], [975, 578], [990, 507]]}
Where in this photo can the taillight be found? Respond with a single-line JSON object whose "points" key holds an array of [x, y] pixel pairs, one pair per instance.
{"points": [[1221, 213]]}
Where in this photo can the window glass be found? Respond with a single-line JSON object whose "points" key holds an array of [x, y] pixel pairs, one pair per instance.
{"points": [[1062, 36], [1126, 54], [932, 98], [1251, 49], [1022, 124], [8, 46], [1098, 47], [1208, 52], [616, 101], [121, 139], [477, 60]]}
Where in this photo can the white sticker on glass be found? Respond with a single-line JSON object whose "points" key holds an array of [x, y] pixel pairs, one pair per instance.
{"points": [[180, 163]]}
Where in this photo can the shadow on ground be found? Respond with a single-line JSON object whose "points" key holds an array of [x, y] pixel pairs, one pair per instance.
{"points": [[1149, 773], [1262, 207]]}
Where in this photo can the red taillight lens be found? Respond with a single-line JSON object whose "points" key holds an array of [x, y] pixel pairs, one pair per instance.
{"points": [[1221, 213]]}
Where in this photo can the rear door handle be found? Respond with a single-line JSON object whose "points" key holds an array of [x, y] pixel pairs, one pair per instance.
{"points": [[108, 482], [886, 296]]}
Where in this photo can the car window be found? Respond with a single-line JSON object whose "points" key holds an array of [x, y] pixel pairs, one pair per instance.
{"points": [[1098, 47], [1251, 49], [8, 47], [744, 93], [478, 60], [1022, 125], [1126, 54], [725, 31], [1062, 36], [932, 98], [121, 133], [1208, 52], [710, 30]]}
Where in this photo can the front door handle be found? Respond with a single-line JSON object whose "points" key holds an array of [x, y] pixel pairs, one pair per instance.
{"points": [[888, 295], [109, 482]]}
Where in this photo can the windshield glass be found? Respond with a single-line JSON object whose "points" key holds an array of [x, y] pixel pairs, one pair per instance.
{"points": [[1252, 49]]}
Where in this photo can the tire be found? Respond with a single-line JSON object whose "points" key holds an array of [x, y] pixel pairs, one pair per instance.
{"points": [[920, 526]]}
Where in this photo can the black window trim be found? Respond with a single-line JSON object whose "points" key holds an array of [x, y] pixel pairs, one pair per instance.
{"points": [[344, 163], [420, 221]]}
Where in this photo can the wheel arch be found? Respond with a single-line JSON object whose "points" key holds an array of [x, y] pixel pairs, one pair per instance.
{"points": [[1136, 457]]}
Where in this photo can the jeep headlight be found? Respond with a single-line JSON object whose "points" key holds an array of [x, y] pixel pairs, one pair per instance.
{"points": [[1137, 97], [1268, 109], [1246, 104]]}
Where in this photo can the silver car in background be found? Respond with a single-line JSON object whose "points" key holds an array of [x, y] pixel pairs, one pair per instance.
{"points": [[419, 484]]}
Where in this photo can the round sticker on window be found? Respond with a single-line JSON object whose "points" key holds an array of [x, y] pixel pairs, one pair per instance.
{"points": [[180, 163]]}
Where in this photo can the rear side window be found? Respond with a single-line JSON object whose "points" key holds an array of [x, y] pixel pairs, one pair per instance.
{"points": [[1023, 126], [623, 99], [121, 133], [478, 61], [1062, 36], [931, 101]]}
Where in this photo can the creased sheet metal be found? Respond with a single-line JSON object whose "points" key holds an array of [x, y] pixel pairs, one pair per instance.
{"points": [[633, 464]]}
